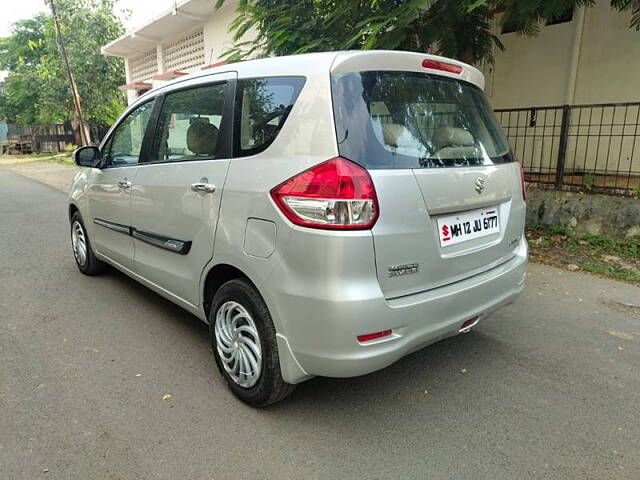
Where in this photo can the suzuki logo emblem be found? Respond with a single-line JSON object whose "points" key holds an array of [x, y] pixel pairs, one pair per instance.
{"points": [[479, 185]]}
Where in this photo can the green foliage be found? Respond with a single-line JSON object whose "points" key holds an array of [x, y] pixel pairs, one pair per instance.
{"points": [[37, 88], [301, 26], [625, 247], [562, 230], [596, 244], [587, 181], [455, 28]]}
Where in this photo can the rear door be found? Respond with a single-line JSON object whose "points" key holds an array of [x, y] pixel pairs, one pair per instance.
{"points": [[447, 184], [176, 195]]}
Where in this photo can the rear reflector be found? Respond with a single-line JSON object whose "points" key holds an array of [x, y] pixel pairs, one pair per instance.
{"points": [[373, 336], [445, 67]]}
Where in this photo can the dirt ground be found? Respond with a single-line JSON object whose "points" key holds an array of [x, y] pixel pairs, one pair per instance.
{"points": [[55, 171]]}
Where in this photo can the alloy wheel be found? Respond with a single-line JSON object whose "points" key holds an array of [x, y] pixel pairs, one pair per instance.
{"points": [[238, 344], [79, 243]]}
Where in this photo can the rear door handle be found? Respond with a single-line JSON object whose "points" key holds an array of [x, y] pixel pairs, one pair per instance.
{"points": [[124, 184], [203, 187]]}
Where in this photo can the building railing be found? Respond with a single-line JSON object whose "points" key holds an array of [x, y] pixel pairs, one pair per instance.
{"points": [[594, 147]]}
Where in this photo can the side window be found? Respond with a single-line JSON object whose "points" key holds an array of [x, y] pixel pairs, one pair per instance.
{"points": [[189, 124], [262, 107], [123, 148]]}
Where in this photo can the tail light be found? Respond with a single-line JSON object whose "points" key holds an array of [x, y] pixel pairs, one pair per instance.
{"points": [[523, 185], [335, 195]]}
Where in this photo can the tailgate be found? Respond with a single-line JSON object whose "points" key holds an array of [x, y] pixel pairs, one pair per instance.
{"points": [[410, 256]]}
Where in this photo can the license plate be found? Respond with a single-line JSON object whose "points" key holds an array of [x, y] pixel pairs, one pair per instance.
{"points": [[467, 226]]}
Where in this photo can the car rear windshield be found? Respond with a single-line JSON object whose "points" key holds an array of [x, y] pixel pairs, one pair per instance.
{"points": [[387, 119]]}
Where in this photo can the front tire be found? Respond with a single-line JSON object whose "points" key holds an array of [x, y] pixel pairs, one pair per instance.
{"points": [[244, 344], [82, 252]]}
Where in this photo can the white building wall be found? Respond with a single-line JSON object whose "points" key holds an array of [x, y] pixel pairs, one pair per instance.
{"points": [[217, 37], [609, 68], [190, 51], [535, 71]]}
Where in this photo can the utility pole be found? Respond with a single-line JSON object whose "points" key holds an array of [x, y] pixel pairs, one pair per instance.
{"points": [[84, 134]]}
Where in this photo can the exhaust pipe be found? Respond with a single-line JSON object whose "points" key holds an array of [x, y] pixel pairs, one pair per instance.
{"points": [[469, 324]]}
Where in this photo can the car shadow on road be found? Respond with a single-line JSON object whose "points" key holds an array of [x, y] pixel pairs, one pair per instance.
{"points": [[420, 373], [436, 371], [150, 299]]}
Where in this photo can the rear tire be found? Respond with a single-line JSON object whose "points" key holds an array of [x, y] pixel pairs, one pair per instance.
{"points": [[86, 260], [244, 344]]}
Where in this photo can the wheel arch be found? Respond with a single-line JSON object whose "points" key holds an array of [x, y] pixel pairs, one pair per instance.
{"points": [[73, 208], [217, 276]]}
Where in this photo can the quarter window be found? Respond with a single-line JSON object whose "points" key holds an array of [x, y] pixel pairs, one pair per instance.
{"points": [[124, 146], [262, 107], [189, 124]]}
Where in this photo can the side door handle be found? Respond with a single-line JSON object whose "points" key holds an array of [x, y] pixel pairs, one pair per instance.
{"points": [[124, 184], [203, 187]]}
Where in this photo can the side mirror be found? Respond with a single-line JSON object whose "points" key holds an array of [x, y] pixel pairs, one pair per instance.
{"points": [[87, 156]]}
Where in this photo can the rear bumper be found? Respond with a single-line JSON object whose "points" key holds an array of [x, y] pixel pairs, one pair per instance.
{"points": [[323, 336]]}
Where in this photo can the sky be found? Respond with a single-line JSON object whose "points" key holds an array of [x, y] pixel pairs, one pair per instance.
{"points": [[141, 11]]}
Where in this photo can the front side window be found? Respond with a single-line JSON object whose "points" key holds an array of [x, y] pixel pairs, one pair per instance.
{"points": [[124, 146], [262, 107], [387, 119], [189, 124]]}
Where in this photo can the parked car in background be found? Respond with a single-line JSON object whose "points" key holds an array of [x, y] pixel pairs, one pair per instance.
{"points": [[325, 214]]}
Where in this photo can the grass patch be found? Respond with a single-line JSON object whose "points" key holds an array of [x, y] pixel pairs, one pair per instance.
{"points": [[612, 271], [63, 158], [560, 246]]}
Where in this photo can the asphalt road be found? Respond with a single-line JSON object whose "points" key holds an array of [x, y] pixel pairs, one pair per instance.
{"points": [[546, 388]]}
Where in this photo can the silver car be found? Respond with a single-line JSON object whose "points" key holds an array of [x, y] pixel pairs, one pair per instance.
{"points": [[325, 214]]}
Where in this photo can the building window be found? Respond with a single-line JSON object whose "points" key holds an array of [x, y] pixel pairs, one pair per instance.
{"points": [[510, 24], [564, 17], [508, 27]]}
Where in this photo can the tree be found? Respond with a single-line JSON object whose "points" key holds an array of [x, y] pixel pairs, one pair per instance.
{"points": [[37, 89], [454, 28]]}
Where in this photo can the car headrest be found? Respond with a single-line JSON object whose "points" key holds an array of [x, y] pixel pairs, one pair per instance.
{"points": [[451, 137], [202, 138], [393, 134]]}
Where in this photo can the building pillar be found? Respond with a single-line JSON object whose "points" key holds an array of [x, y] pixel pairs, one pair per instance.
{"points": [[575, 56], [160, 58], [131, 94]]}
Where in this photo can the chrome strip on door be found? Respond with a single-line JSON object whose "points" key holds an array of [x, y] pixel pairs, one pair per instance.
{"points": [[181, 247], [118, 227], [172, 244]]}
